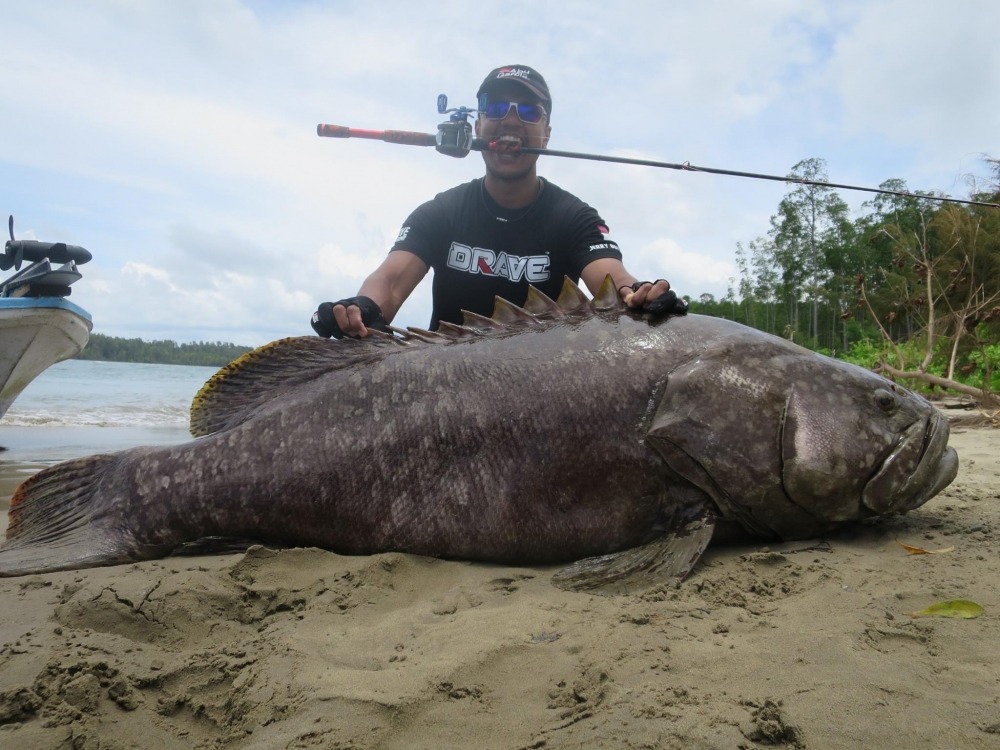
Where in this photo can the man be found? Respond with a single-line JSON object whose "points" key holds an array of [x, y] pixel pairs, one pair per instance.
{"points": [[499, 234]]}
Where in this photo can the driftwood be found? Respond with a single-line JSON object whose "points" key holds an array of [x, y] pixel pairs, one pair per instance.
{"points": [[984, 399]]}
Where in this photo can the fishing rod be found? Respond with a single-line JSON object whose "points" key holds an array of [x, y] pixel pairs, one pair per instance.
{"points": [[454, 138]]}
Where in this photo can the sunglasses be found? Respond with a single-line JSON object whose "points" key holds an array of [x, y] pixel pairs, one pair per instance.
{"points": [[530, 113]]}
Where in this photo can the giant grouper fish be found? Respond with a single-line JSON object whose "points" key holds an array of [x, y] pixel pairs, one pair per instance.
{"points": [[569, 431]]}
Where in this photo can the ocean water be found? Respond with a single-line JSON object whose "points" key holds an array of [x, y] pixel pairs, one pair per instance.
{"points": [[79, 408], [79, 393]]}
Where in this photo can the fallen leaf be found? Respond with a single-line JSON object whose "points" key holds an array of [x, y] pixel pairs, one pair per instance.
{"points": [[954, 608], [921, 551]]}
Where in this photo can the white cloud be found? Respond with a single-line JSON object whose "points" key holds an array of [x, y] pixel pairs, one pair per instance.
{"points": [[141, 272], [690, 271]]}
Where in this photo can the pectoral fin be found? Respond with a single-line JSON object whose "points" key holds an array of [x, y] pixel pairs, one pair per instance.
{"points": [[632, 571]]}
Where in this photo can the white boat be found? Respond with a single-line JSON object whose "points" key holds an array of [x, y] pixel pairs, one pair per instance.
{"points": [[38, 325]]}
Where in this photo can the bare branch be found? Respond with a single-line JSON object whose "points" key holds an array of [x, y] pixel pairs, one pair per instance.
{"points": [[982, 397]]}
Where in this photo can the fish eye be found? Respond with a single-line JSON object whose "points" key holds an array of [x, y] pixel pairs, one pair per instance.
{"points": [[885, 400]]}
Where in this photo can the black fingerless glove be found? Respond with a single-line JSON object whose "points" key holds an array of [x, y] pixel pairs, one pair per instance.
{"points": [[326, 326], [667, 303]]}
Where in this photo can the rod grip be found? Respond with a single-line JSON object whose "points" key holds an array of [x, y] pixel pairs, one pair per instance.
{"points": [[403, 137]]}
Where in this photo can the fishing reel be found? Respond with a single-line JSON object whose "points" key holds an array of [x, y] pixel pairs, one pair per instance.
{"points": [[454, 137]]}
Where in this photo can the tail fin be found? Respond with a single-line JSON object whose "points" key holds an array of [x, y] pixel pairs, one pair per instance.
{"points": [[58, 522]]}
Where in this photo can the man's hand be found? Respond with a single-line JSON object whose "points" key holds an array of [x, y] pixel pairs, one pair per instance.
{"points": [[348, 317], [654, 297]]}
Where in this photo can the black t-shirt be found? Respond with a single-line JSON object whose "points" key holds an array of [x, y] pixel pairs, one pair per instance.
{"points": [[479, 250]]}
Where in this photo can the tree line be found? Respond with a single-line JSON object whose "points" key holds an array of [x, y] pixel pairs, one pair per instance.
{"points": [[202, 353], [911, 286]]}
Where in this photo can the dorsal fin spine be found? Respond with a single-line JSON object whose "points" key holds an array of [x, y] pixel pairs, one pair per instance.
{"points": [[509, 314], [572, 300], [453, 331], [607, 297], [479, 322], [542, 306]]}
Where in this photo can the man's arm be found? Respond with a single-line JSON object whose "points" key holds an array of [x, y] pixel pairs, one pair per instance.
{"points": [[388, 286]]}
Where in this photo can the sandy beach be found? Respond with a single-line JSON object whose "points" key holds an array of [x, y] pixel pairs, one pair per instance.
{"points": [[802, 645]]}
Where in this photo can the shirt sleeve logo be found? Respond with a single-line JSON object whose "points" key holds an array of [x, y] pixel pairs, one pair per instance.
{"points": [[607, 244]]}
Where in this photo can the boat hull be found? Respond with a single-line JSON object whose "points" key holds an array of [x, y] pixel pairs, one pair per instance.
{"points": [[35, 333]]}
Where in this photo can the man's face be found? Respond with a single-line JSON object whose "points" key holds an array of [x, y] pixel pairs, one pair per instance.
{"points": [[512, 164]]}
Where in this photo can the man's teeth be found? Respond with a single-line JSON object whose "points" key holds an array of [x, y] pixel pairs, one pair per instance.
{"points": [[507, 144]]}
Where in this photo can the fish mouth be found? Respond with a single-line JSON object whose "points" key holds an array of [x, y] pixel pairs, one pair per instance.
{"points": [[920, 465]]}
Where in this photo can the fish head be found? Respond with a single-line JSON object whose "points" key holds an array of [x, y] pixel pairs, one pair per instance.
{"points": [[790, 444], [855, 445]]}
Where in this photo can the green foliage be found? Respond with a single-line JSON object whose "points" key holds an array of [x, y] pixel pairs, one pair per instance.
{"points": [[983, 370], [912, 282], [864, 353], [113, 349], [869, 353]]}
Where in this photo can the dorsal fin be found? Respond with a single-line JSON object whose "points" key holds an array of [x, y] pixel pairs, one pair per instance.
{"points": [[420, 334], [542, 306], [257, 377], [572, 300], [537, 309], [607, 297], [512, 316], [479, 322], [453, 331], [248, 382]]}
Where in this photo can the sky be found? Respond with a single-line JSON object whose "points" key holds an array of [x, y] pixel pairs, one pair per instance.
{"points": [[176, 139]]}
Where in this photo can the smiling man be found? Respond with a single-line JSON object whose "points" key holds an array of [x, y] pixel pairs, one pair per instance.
{"points": [[498, 234]]}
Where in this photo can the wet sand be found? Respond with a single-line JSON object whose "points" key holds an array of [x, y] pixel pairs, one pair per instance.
{"points": [[805, 645]]}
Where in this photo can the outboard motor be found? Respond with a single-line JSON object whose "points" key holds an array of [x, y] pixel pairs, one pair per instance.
{"points": [[40, 278]]}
